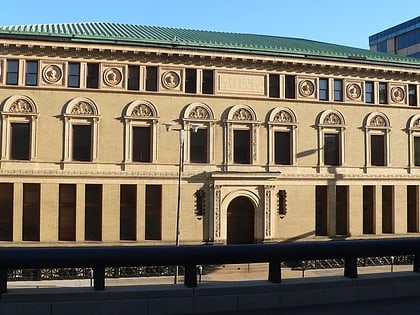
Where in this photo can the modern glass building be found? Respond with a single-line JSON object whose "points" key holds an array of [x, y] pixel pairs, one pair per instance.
{"points": [[402, 39]]}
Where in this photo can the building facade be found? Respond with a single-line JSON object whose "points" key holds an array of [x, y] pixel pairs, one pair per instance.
{"points": [[112, 132], [402, 39]]}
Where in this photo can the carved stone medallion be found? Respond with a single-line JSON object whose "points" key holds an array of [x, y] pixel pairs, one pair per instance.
{"points": [[397, 94], [52, 74], [170, 80], [306, 88], [354, 91], [112, 76]]}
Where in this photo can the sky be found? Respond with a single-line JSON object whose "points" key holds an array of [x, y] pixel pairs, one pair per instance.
{"points": [[348, 23]]}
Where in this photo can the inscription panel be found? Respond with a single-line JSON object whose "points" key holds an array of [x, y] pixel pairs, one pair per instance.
{"points": [[241, 83]]}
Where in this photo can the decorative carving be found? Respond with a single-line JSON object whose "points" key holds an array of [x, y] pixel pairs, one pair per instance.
{"points": [[283, 117], [242, 114], [332, 119], [416, 123], [217, 200], [52, 74], [170, 80], [20, 106], [354, 91], [112, 76], [82, 108], [377, 121], [142, 110], [306, 88], [397, 94], [199, 112], [267, 210]]}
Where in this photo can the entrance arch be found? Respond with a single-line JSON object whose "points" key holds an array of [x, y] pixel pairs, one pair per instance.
{"points": [[240, 221]]}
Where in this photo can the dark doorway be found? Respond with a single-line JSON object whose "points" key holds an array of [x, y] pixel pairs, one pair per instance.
{"points": [[240, 221]]}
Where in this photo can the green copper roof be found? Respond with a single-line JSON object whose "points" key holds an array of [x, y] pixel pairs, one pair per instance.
{"points": [[196, 39]]}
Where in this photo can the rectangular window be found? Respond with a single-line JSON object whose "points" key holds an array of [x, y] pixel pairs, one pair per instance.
{"points": [[31, 76], [151, 79], [383, 93], [153, 212], [198, 146], [242, 146], [331, 149], [67, 212], [12, 72], [92, 79], [133, 78], [290, 86], [282, 148], [82, 143], [142, 144], [207, 85], [368, 210], [93, 212], [338, 90], [20, 141], [387, 209], [128, 212], [369, 92], [321, 210], [341, 210], [412, 95], [412, 209], [417, 151], [274, 85], [6, 212], [377, 150], [31, 212], [323, 89], [191, 81], [74, 75]]}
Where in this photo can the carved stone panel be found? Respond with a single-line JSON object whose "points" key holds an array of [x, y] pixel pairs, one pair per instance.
{"points": [[354, 91], [241, 83], [306, 88], [52, 73], [112, 76], [171, 80], [397, 94]]}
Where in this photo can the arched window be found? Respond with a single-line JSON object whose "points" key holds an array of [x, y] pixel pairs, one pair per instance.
{"points": [[140, 120], [413, 129], [81, 119], [331, 126], [377, 129], [19, 128]]}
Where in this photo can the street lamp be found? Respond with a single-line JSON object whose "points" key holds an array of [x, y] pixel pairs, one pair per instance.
{"points": [[170, 127]]}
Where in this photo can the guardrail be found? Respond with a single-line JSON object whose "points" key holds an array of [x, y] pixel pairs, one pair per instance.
{"points": [[98, 258]]}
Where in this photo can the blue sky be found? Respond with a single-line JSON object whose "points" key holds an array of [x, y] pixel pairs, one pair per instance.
{"points": [[348, 23]]}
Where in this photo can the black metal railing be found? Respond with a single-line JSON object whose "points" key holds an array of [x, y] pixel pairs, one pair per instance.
{"points": [[100, 260]]}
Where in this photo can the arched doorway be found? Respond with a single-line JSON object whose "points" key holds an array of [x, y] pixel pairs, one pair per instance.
{"points": [[240, 221]]}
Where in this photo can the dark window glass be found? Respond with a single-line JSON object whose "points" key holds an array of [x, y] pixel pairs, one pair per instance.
{"points": [[6, 212], [82, 143], [412, 209], [368, 209], [331, 149], [369, 95], [92, 80], [417, 151], [377, 150], [128, 216], [323, 89], [191, 81], [208, 82], [151, 79], [387, 209], [133, 78], [412, 95], [408, 39], [67, 213], [31, 73], [20, 142], [74, 75], [93, 212], [282, 148], [338, 90], [341, 210], [198, 146], [242, 146], [31, 212], [321, 211], [141, 144], [290, 86], [274, 85], [12, 72], [382, 46], [383, 93], [153, 212]]}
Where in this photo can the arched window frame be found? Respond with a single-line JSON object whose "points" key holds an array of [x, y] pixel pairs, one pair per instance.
{"points": [[199, 114], [413, 131], [81, 111], [331, 122], [19, 109], [139, 114], [377, 123]]}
